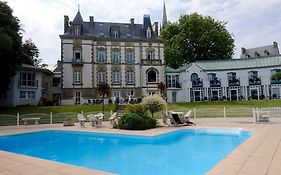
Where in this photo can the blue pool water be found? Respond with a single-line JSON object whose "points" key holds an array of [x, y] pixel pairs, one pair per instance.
{"points": [[183, 152]]}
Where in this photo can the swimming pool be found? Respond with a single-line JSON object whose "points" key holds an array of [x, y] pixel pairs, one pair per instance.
{"points": [[187, 151]]}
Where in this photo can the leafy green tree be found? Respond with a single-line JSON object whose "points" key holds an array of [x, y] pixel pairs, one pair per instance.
{"points": [[195, 37], [10, 45], [31, 53], [103, 90]]}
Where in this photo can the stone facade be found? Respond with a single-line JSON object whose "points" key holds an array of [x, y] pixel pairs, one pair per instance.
{"points": [[128, 57]]}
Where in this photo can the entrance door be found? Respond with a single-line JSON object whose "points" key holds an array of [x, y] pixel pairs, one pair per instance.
{"points": [[215, 95], [197, 96], [233, 94], [254, 94], [77, 97]]}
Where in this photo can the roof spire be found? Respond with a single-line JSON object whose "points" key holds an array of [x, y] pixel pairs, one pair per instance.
{"points": [[78, 7], [164, 19]]}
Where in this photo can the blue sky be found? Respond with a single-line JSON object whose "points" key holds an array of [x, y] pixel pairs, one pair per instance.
{"points": [[253, 23]]}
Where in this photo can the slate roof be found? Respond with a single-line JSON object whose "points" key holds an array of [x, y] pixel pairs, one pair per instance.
{"points": [[34, 68], [103, 29], [233, 64], [260, 51]]}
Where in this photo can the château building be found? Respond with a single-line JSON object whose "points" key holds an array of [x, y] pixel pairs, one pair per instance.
{"points": [[129, 57]]}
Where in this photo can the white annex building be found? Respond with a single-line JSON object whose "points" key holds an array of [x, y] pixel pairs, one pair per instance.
{"points": [[129, 57], [236, 79]]}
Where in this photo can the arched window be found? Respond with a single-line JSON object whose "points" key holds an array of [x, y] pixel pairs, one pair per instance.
{"points": [[194, 77], [151, 76]]}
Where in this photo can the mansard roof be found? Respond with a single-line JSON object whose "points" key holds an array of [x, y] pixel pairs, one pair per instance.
{"points": [[260, 51], [103, 30], [233, 64]]}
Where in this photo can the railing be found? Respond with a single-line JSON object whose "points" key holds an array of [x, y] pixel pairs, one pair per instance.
{"points": [[215, 83], [234, 82], [77, 61], [275, 81], [172, 86], [45, 118], [255, 81], [197, 83], [151, 62]]}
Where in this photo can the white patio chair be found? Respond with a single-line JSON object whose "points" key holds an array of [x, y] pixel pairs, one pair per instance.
{"points": [[112, 120], [93, 120], [81, 120]]}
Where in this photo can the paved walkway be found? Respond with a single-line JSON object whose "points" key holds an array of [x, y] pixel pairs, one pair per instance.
{"points": [[259, 155]]}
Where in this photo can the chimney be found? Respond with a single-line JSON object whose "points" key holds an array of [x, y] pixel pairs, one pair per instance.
{"points": [[66, 21], [91, 19], [275, 44], [132, 21], [243, 50], [155, 28]]}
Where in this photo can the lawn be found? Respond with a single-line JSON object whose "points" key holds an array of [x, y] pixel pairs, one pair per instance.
{"points": [[199, 110]]}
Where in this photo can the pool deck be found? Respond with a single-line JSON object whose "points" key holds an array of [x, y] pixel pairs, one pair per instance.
{"points": [[259, 155]]}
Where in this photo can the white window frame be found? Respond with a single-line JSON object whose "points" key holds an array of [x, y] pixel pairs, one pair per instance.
{"points": [[77, 77], [115, 33], [116, 77], [148, 33], [27, 95], [150, 55], [129, 57], [115, 57], [130, 77], [77, 59], [77, 31], [101, 56], [102, 77], [28, 79]]}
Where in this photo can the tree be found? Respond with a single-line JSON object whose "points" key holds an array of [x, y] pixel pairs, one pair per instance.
{"points": [[103, 90], [31, 53], [195, 37], [161, 87], [10, 45], [154, 103]]}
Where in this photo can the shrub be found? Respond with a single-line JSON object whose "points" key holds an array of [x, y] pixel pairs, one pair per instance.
{"points": [[276, 76], [131, 121], [150, 122], [136, 108], [154, 103]]}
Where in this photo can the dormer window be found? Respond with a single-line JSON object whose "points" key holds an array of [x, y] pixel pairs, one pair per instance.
{"points": [[266, 52], [257, 54], [77, 56], [77, 31], [148, 33], [115, 34]]}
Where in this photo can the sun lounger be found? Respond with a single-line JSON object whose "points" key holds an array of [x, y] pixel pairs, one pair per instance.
{"points": [[260, 116], [81, 120], [177, 121]]}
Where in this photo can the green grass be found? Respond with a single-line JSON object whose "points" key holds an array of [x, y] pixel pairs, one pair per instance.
{"points": [[203, 109], [56, 109]]}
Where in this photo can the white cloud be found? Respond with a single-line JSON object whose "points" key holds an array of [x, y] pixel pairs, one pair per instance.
{"points": [[253, 22]]}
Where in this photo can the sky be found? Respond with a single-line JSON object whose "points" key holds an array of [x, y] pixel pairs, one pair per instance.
{"points": [[253, 23]]}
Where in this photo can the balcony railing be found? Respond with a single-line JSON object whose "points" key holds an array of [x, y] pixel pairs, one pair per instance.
{"points": [[171, 86], [255, 81], [77, 62], [151, 62], [275, 81], [234, 82], [215, 83], [197, 83]]}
